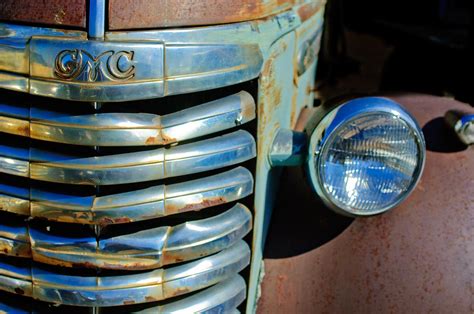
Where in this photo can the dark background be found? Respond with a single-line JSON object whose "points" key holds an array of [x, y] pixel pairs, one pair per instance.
{"points": [[416, 46]]}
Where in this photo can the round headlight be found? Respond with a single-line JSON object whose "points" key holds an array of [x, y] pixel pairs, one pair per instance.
{"points": [[366, 156]]}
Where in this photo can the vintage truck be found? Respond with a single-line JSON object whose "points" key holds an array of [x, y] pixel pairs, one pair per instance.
{"points": [[142, 143]]}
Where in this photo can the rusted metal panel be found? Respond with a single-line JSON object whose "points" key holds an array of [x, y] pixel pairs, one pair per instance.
{"points": [[132, 14], [414, 259], [52, 12]]}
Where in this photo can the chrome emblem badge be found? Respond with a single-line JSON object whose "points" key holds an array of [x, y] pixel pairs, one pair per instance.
{"points": [[80, 65]]}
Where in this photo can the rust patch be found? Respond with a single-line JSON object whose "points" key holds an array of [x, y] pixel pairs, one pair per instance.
{"points": [[118, 220], [207, 202], [83, 265], [19, 291], [52, 12], [180, 291], [160, 139], [306, 11], [130, 14], [150, 299], [128, 302], [204, 204]]}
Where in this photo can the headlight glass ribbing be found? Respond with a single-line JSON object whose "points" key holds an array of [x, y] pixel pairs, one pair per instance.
{"points": [[367, 160]]}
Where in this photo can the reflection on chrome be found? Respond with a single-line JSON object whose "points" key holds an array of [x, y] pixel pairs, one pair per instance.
{"points": [[56, 286], [141, 166], [128, 129], [149, 203], [144, 249]]}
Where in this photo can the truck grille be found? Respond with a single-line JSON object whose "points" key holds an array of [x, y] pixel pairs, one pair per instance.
{"points": [[130, 202]]}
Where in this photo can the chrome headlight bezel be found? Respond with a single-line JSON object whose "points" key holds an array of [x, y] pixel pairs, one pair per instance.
{"points": [[336, 118]]}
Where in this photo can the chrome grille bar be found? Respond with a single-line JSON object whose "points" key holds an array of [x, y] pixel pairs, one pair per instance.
{"points": [[142, 166], [223, 297], [149, 203], [128, 129], [144, 287], [145, 249]]}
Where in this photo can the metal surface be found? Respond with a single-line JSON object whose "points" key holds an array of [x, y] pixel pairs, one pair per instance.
{"points": [[133, 68], [288, 148], [127, 129], [144, 249], [131, 206], [130, 14], [414, 259], [223, 297], [192, 59], [282, 95], [54, 12], [96, 29], [462, 122], [214, 153], [327, 126], [81, 290]]}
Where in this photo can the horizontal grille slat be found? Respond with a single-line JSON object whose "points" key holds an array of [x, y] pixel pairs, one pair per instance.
{"points": [[96, 290], [162, 163], [149, 203], [144, 249], [128, 129]]}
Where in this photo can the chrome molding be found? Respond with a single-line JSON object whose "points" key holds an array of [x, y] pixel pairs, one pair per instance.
{"points": [[144, 287], [144, 249], [150, 203], [128, 129], [142, 166]]}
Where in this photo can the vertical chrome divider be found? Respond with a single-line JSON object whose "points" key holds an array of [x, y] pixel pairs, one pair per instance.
{"points": [[96, 19], [96, 31]]}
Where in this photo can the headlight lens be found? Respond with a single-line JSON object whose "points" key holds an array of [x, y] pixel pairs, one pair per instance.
{"points": [[366, 156]]}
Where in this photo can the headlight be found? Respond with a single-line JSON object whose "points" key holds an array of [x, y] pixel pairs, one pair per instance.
{"points": [[365, 156]]}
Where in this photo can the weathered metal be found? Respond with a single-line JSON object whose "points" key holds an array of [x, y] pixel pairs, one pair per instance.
{"points": [[98, 290], [54, 12], [126, 129], [90, 69], [130, 206], [147, 248], [223, 297], [288, 148], [133, 14], [414, 259], [282, 95], [161, 163]]}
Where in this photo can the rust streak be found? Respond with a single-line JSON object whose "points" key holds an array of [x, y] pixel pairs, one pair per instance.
{"points": [[306, 11]]}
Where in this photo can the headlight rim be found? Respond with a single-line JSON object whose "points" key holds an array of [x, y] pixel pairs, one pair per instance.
{"points": [[341, 114]]}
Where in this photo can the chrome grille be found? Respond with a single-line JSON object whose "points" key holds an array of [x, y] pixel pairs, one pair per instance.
{"points": [[134, 202]]}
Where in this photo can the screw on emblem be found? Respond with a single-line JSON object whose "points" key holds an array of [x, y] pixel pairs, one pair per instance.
{"points": [[80, 65]]}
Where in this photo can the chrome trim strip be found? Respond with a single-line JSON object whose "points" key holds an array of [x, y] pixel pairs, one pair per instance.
{"points": [[96, 19], [149, 203], [143, 287], [144, 249], [128, 129], [214, 153]]}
